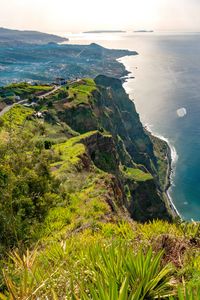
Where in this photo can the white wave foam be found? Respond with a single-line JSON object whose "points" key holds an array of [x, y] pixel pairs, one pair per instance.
{"points": [[172, 206], [174, 158], [174, 154]]}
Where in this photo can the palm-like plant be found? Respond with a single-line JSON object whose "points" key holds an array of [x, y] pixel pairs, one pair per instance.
{"points": [[113, 292], [117, 273], [187, 293], [147, 277], [28, 279]]}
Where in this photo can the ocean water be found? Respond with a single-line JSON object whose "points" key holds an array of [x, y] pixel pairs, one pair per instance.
{"points": [[166, 92]]}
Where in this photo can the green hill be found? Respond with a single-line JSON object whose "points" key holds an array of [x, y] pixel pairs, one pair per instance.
{"points": [[84, 214]]}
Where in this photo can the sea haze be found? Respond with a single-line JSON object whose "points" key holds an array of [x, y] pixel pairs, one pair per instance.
{"points": [[166, 91]]}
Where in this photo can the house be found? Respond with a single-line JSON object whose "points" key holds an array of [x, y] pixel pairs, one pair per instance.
{"points": [[38, 114], [17, 98], [60, 81]]}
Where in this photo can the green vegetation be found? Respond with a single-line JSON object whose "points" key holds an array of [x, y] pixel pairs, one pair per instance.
{"points": [[70, 154], [103, 260], [66, 198], [71, 95], [81, 92], [120, 274], [16, 116], [162, 152], [137, 174], [23, 89]]}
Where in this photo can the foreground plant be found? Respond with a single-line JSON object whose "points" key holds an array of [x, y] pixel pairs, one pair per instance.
{"points": [[114, 272], [28, 278], [187, 293], [117, 273]]}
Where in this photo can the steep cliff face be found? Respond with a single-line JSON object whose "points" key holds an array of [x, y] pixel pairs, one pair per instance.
{"points": [[123, 120], [102, 151], [107, 108], [111, 109], [92, 157], [147, 202]]}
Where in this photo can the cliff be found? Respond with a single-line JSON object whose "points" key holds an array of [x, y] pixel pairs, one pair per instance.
{"points": [[136, 161], [77, 173], [104, 106]]}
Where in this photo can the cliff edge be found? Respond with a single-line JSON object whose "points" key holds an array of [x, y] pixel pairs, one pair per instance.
{"points": [[138, 163]]}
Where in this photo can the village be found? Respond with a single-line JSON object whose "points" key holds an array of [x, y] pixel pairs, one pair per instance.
{"points": [[29, 93]]}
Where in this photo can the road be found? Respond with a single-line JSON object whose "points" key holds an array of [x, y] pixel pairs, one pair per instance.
{"points": [[8, 107], [51, 92]]}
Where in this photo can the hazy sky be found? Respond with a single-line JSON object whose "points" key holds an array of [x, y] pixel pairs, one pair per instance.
{"points": [[79, 15]]}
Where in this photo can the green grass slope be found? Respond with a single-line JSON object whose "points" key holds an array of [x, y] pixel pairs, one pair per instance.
{"points": [[71, 198]]}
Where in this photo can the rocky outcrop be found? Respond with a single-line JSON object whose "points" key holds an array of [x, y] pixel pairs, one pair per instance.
{"points": [[143, 200], [147, 198], [102, 151]]}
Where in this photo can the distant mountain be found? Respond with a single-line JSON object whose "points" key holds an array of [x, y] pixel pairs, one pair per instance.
{"points": [[105, 31], [27, 36]]}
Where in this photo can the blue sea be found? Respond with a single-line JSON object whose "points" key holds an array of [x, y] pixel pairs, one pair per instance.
{"points": [[166, 92]]}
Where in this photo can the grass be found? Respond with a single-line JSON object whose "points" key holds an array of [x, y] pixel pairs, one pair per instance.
{"points": [[56, 219], [187, 293], [81, 92], [70, 156], [23, 89], [117, 273], [77, 93], [70, 153], [81, 258], [111, 272], [16, 116], [137, 174], [87, 246]]}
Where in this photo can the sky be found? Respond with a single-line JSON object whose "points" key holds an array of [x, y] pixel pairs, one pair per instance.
{"points": [[81, 15]]}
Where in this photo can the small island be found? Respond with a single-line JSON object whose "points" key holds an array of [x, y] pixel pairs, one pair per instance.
{"points": [[143, 31]]}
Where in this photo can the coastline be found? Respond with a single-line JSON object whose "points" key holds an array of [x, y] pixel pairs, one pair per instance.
{"points": [[171, 155], [172, 158]]}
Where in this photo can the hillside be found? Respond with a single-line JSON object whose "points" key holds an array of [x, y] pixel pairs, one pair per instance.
{"points": [[28, 36], [18, 62], [83, 189]]}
